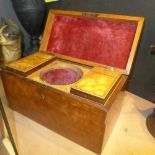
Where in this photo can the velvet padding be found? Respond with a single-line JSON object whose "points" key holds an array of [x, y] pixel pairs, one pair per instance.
{"points": [[103, 41], [61, 76]]}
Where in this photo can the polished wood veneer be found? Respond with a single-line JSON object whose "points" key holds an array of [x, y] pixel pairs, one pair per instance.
{"points": [[83, 117]]}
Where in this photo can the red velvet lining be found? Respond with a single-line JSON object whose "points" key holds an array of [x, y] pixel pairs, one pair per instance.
{"points": [[61, 76], [103, 41]]}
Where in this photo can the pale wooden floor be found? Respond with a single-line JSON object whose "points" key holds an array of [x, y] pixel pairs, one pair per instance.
{"points": [[129, 137]]}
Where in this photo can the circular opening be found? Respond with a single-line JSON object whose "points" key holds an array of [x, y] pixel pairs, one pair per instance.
{"points": [[62, 75]]}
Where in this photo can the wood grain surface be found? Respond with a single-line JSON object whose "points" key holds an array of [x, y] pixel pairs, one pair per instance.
{"points": [[82, 120]]}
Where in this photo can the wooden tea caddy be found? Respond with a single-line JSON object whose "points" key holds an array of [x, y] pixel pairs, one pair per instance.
{"points": [[103, 47]]}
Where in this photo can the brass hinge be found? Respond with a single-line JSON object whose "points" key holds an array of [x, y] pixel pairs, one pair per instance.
{"points": [[87, 14], [109, 68]]}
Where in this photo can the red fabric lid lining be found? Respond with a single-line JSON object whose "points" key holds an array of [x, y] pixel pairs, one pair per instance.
{"points": [[102, 41]]}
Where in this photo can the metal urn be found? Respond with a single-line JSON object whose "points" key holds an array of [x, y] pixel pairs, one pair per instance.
{"points": [[31, 14]]}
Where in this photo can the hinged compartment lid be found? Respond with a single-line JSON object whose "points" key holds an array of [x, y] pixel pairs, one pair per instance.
{"points": [[98, 39]]}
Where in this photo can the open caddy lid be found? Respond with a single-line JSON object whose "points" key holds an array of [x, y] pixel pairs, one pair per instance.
{"points": [[93, 38]]}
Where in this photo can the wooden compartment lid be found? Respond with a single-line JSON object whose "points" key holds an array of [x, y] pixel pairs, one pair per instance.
{"points": [[93, 38], [30, 63]]}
